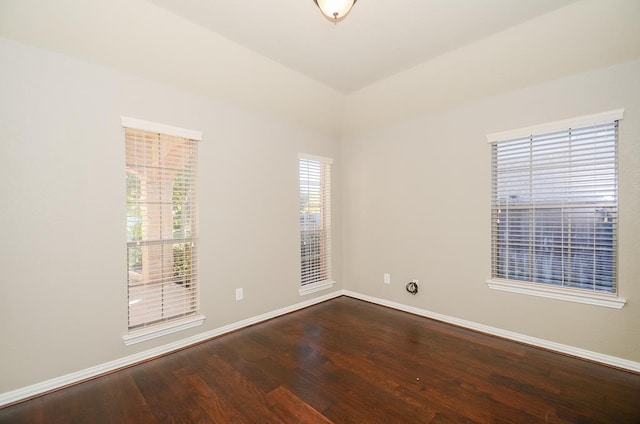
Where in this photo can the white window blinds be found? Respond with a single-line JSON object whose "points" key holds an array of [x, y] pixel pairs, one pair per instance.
{"points": [[161, 227], [315, 219], [555, 207]]}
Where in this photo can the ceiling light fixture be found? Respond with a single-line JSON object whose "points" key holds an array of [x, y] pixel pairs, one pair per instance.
{"points": [[335, 10]]}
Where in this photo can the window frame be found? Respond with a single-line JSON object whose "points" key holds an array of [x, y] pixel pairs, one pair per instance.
{"points": [[324, 175], [178, 323], [611, 300]]}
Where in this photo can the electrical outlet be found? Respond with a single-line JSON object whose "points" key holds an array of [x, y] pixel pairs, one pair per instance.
{"points": [[239, 294], [387, 278]]}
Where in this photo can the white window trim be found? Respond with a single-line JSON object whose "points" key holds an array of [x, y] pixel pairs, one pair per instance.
{"points": [[158, 330], [315, 287], [534, 289], [326, 284], [577, 296], [144, 334], [321, 159], [140, 124], [580, 121]]}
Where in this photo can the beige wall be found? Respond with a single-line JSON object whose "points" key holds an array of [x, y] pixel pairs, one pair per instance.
{"points": [[417, 205], [63, 300]]}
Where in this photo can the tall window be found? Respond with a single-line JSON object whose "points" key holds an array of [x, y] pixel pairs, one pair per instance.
{"points": [[554, 211], [162, 232], [315, 220]]}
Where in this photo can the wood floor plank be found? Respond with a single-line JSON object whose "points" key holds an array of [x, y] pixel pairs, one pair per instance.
{"points": [[348, 361], [215, 407], [293, 409], [239, 391], [126, 402], [165, 394]]}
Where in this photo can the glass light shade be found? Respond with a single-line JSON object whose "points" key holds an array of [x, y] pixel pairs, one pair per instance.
{"points": [[335, 10]]}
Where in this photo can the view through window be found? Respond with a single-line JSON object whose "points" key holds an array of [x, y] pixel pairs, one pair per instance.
{"points": [[161, 227], [555, 208], [315, 219]]}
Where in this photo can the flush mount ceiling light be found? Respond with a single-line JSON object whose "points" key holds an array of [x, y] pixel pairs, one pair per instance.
{"points": [[335, 10]]}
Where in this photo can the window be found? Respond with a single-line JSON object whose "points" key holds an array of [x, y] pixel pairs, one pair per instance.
{"points": [[162, 232], [315, 223], [554, 212]]}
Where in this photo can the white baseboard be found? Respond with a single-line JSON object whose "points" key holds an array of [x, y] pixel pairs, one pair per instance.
{"points": [[534, 341], [86, 374]]}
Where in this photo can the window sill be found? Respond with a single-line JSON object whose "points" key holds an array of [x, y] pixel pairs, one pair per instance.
{"points": [[604, 300], [144, 334], [316, 287]]}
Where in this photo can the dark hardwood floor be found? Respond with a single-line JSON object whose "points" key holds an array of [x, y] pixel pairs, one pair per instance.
{"points": [[348, 361]]}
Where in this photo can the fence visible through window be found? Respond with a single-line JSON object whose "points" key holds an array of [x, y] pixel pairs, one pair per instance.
{"points": [[555, 210]]}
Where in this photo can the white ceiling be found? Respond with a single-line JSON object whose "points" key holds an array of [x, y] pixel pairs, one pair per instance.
{"points": [[378, 39]]}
